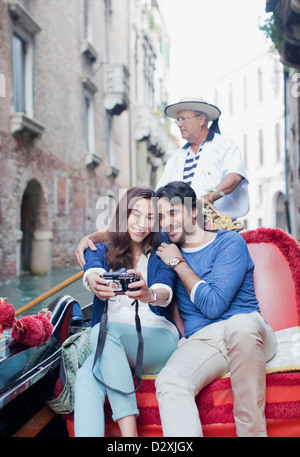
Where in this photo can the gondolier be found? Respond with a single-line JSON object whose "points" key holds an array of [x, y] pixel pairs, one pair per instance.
{"points": [[209, 162]]}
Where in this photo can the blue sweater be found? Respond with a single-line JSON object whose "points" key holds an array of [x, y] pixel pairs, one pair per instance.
{"points": [[157, 272], [227, 269]]}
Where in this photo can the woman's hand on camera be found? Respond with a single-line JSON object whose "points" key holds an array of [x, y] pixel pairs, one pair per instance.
{"points": [[143, 293], [98, 286]]}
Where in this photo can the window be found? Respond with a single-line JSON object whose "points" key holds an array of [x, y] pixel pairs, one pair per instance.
{"points": [[260, 194], [277, 140], [108, 27], [280, 211], [22, 75], [261, 147], [87, 30], [24, 28], [92, 158], [89, 123], [111, 169], [87, 48], [109, 139]]}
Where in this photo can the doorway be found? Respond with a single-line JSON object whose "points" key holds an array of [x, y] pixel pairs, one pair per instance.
{"points": [[36, 239]]}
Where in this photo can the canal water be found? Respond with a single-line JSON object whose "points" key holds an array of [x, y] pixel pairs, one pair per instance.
{"points": [[26, 288]]}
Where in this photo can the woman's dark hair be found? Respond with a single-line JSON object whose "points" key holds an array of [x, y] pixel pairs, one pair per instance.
{"points": [[179, 192], [119, 252]]}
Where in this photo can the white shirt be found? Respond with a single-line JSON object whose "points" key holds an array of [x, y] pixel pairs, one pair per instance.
{"points": [[218, 158]]}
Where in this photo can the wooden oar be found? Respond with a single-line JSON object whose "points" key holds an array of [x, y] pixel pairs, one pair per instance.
{"points": [[49, 293]]}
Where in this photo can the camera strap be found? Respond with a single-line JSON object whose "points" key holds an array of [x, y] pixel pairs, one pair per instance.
{"points": [[139, 356]]}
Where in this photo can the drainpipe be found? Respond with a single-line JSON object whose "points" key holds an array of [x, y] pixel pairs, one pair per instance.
{"points": [[130, 94], [286, 162]]}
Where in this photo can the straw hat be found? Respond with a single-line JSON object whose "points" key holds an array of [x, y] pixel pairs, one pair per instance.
{"points": [[193, 104]]}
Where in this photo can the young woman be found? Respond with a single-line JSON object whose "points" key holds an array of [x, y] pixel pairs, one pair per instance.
{"points": [[132, 242]]}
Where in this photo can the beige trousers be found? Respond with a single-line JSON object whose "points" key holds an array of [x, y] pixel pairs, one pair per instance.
{"points": [[242, 345]]}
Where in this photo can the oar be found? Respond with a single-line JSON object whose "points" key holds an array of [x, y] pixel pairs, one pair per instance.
{"points": [[49, 293]]}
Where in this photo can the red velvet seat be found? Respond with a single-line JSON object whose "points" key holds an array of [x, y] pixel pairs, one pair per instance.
{"points": [[277, 284]]}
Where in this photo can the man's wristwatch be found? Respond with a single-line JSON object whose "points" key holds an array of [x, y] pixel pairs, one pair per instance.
{"points": [[220, 192], [175, 261]]}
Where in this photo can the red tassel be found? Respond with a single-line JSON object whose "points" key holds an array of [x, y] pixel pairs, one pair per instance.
{"points": [[7, 315], [29, 331], [48, 327]]}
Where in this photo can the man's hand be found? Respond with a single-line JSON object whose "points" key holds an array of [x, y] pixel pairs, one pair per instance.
{"points": [[166, 252], [227, 185], [89, 242], [187, 276], [83, 244]]}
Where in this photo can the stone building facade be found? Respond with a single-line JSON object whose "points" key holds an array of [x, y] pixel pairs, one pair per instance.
{"points": [[251, 98], [82, 87], [285, 34]]}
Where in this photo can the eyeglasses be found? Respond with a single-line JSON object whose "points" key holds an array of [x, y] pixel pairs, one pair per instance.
{"points": [[184, 119]]}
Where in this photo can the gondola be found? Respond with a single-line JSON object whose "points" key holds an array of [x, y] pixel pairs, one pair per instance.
{"points": [[29, 376]]}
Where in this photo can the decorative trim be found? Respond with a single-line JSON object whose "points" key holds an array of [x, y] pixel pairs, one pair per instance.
{"points": [[23, 17], [112, 171], [89, 50], [214, 219], [21, 122], [92, 160], [89, 85]]}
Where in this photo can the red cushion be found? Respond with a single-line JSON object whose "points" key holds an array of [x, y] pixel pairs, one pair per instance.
{"points": [[215, 405], [276, 276]]}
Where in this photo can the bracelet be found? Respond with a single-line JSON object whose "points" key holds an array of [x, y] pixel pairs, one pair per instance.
{"points": [[220, 192], [155, 297]]}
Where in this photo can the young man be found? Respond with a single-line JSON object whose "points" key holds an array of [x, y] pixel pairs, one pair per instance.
{"points": [[224, 330]]}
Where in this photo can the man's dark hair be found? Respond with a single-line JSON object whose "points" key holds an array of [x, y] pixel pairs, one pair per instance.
{"points": [[180, 192], [177, 189]]}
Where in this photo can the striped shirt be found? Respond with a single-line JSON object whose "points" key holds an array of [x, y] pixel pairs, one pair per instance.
{"points": [[192, 159]]}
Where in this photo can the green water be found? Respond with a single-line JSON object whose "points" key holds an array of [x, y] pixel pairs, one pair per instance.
{"points": [[28, 287]]}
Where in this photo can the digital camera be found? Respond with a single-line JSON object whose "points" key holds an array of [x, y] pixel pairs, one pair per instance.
{"points": [[119, 280]]}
